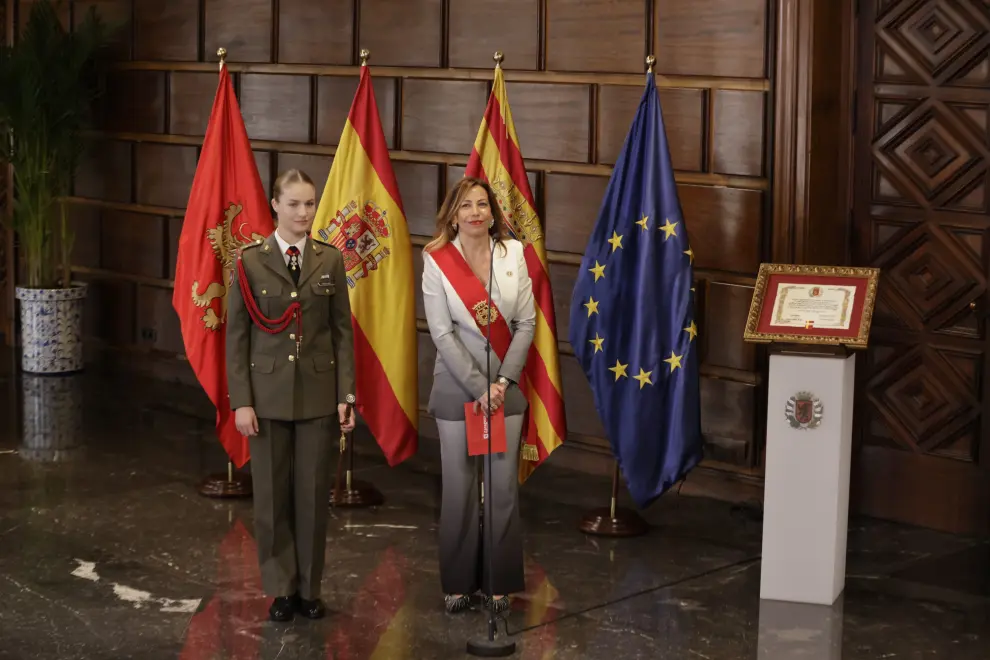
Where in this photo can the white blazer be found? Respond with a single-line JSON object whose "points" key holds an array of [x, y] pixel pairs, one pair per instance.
{"points": [[459, 374]]}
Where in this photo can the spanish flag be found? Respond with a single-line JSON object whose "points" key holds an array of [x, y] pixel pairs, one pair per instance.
{"points": [[361, 214], [497, 158]]}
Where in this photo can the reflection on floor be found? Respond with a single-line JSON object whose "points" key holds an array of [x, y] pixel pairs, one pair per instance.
{"points": [[107, 551]]}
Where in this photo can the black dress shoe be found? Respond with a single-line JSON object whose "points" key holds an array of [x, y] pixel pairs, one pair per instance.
{"points": [[312, 609], [282, 608]]}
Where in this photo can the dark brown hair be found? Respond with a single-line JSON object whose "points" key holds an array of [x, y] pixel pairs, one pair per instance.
{"points": [[446, 230]]}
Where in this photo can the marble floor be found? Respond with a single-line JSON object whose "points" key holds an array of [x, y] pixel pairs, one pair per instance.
{"points": [[108, 551]]}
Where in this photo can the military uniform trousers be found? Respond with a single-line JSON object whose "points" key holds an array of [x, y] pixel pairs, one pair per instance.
{"points": [[290, 468]]}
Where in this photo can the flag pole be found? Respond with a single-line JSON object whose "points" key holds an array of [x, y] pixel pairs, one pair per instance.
{"points": [[214, 485], [616, 521], [355, 494]]}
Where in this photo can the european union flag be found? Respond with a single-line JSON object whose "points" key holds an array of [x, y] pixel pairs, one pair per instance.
{"points": [[632, 322]]}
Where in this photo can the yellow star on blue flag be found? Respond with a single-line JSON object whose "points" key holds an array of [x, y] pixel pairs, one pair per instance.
{"points": [[643, 290]]}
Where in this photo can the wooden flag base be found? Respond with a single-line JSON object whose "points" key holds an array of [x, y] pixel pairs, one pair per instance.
{"points": [[352, 494], [358, 495], [613, 521], [227, 486]]}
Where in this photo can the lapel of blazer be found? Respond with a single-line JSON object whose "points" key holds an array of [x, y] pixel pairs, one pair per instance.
{"points": [[274, 260], [505, 277], [314, 253]]}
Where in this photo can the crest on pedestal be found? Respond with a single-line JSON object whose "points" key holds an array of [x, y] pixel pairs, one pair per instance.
{"points": [[804, 411]]}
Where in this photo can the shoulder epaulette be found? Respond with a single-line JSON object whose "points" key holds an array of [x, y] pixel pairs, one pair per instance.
{"points": [[252, 244]]}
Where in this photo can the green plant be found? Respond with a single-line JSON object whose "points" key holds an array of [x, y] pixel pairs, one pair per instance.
{"points": [[49, 81]]}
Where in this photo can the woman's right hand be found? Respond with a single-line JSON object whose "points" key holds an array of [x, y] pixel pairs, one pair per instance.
{"points": [[495, 396], [246, 421]]}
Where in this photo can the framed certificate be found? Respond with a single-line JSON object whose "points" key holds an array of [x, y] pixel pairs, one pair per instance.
{"points": [[812, 305]]}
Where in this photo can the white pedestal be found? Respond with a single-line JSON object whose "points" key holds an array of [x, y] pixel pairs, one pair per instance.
{"points": [[806, 491]]}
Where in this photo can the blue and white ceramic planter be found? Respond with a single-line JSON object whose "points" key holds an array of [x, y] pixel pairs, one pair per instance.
{"points": [[51, 329]]}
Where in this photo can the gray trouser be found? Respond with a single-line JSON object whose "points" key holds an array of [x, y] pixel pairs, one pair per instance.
{"points": [[463, 562], [290, 466]]}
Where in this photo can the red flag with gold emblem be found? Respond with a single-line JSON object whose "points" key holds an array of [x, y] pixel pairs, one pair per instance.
{"points": [[227, 208]]}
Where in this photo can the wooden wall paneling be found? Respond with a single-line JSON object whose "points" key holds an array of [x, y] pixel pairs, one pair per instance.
{"points": [[117, 15], [158, 324], [86, 224], [317, 167], [110, 311], [419, 186], [174, 232], [276, 107], [402, 34], [813, 115], [263, 161], [920, 213], [191, 96], [728, 421], [711, 37], [7, 266], [683, 115], [738, 121], [478, 28], [572, 205], [164, 174], [552, 121], [316, 32], [580, 410], [105, 171], [134, 102], [334, 97], [727, 305], [444, 115], [131, 243], [596, 35], [562, 277], [167, 31], [725, 226], [243, 27]]}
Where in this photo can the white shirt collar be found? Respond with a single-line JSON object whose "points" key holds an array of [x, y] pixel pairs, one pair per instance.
{"points": [[283, 245]]}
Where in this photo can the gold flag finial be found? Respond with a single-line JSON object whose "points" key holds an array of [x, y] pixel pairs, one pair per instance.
{"points": [[365, 54], [498, 57], [222, 54], [650, 61]]}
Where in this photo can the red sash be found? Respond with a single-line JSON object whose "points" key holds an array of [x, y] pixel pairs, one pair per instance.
{"points": [[472, 293]]}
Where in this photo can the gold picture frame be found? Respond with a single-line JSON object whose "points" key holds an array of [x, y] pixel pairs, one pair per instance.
{"points": [[757, 322]]}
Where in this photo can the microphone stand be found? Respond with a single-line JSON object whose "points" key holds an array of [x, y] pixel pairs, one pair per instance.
{"points": [[489, 648]]}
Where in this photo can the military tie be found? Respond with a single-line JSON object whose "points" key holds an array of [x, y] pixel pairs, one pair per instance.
{"points": [[293, 253]]}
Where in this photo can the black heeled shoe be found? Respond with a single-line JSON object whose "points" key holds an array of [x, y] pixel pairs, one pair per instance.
{"points": [[500, 604], [454, 604]]}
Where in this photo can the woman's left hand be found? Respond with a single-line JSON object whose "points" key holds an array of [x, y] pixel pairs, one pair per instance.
{"points": [[346, 423]]}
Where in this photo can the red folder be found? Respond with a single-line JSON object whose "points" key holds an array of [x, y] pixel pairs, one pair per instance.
{"points": [[476, 425]]}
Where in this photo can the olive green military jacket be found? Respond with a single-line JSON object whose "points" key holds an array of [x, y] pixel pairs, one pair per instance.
{"points": [[263, 370]]}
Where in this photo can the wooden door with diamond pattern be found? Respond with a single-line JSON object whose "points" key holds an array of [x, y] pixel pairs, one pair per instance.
{"points": [[921, 215]]}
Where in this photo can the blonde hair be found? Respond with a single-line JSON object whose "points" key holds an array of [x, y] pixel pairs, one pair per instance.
{"points": [[287, 178], [446, 230]]}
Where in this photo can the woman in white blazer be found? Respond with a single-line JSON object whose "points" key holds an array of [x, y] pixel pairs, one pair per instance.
{"points": [[471, 249]]}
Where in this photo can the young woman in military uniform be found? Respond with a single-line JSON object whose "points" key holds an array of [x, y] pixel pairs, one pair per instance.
{"points": [[291, 386]]}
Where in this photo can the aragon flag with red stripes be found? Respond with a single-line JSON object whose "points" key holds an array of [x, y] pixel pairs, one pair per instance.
{"points": [[361, 214], [497, 159], [227, 208]]}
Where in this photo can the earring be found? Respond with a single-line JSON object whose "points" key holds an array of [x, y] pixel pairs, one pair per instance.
{"points": [[491, 223]]}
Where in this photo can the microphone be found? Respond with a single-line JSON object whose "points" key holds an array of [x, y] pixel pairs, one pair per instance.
{"points": [[489, 647]]}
